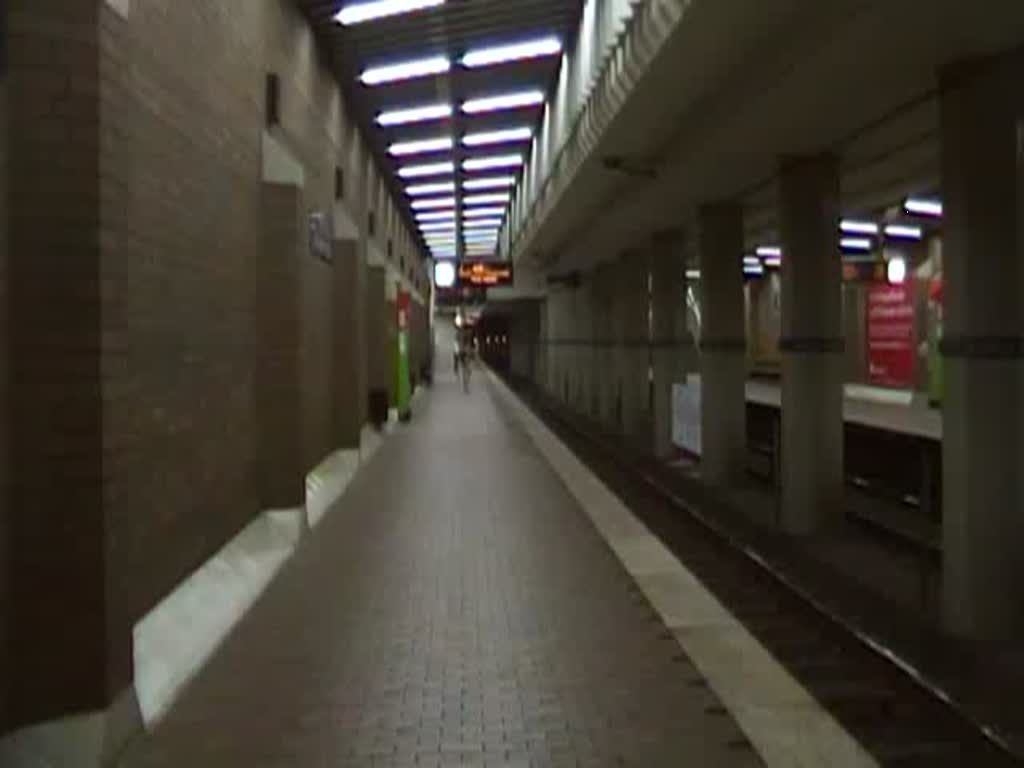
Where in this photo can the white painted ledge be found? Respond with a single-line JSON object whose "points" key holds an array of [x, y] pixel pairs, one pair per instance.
{"points": [[175, 640], [327, 482]]}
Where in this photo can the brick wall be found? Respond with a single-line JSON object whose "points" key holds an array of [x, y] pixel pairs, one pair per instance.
{"points": [[277, 380], [5, 607], [350, 354], [136, 259], [317, 358], [181, 222], [55, 499]]}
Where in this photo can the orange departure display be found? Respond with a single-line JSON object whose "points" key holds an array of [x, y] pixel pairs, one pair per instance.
{"points": [[485, 274]]}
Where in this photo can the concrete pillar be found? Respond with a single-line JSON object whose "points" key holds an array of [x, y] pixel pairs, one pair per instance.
{"points": [[378, 360], [522, 335], [67, 618], [574, 347], [543, 346], [566, 354], [632, 337], [672, 351], [603, 378], [6, 598], [563, 350], [811, 344], [983, 486], [550, 318], [723, 344], [350, 351], [391, 287], [280, 469], [556, 369], [585, 345]]}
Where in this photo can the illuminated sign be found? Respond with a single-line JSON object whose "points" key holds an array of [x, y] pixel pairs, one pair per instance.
{"points": [[444, 274], [485, 274]]}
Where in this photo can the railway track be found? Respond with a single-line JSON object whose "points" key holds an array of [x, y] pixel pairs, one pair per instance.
{"points": [[895, 713]]}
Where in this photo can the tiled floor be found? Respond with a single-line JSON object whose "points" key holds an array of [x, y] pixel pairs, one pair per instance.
{"points": [[456, 607]]}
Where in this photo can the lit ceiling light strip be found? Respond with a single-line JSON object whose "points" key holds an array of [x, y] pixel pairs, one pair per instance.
{"points": [[751, 261], [855, 244], [402, 148], [440, 188], [490, 182], [428, 169], [433, 204], [904, 232], [517, 100], [497, 137], [852, 227], [769, 251], [405, 70], [482, 223], [495, 161], [919, 206], [371, 10], [441, 226], [414, 114], [500, 54], [481, 213], [435, 216], [497, 197]]}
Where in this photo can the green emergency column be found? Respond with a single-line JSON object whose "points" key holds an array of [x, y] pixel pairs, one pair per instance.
{"points": [[403, 388]]}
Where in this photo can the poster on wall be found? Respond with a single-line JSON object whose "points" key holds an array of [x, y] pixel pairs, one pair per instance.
{"points": [[891, 337], [686, 420]]}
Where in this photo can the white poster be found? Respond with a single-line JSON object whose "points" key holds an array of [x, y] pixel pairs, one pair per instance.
{"points": [[686, 415]]}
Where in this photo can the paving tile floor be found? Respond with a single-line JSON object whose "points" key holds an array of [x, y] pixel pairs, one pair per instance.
{"points": [[455, 608]]}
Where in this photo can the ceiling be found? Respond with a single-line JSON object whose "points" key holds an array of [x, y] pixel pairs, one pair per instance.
{"points": [[448, 30], [724, 99]]}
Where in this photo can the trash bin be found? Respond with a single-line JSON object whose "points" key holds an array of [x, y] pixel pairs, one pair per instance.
{"points": [[378, 407]]}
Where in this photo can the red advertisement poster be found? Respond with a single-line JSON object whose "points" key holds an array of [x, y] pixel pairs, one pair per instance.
{"points": [[891, 336]]}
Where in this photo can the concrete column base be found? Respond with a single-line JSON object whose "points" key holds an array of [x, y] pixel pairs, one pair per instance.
{"points": [[724, 418], [812, 440], [636, 415], [91, 740], [981, 592]]}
